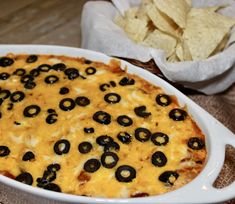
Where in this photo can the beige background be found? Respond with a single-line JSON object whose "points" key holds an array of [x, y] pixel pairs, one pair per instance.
{"points": [[57, 22]]}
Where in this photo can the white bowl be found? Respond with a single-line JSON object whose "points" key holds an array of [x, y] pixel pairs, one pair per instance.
{"points": [[200, 190]]}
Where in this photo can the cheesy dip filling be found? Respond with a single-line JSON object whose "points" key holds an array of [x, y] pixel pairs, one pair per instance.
{"points": [[87, 128]]}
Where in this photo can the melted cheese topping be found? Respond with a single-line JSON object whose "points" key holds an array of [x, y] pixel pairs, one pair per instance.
{"points": [[34, 134]]}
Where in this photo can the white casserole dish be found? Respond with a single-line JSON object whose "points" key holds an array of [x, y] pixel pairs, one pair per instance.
{"points": [[200, 190]]}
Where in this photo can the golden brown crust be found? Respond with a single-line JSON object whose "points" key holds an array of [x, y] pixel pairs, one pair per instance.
{"points": [[7, 174], [83, 177]]}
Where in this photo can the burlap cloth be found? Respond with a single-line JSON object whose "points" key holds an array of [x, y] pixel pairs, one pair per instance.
{"points": [[221, 106]]}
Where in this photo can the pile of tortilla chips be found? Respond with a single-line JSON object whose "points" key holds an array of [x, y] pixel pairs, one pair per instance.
{"points": [[183, 32]]}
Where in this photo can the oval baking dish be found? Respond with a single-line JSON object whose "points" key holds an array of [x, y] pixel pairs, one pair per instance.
{"points": [[200, 190]]}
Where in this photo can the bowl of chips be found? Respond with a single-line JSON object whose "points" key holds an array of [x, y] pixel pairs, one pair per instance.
{"points": [[183, 32], [192, 42]]}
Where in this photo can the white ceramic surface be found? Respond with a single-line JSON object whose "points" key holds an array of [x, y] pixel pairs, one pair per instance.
{"points": [[200, 190]]}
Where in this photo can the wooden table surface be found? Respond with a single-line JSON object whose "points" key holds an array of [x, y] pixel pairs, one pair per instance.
{"points": [[57, 22]]}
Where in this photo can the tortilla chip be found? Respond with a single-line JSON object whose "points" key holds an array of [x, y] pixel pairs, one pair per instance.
{"points": [[131, 13], [182, 51], [162, 41], [189, 2], [136, 29], [215, 8], [177, 10], [187, 54], [173, 58], [120, 21], [142, 12], [161, 21], [221, 46], [179, 51], [204, 31]]}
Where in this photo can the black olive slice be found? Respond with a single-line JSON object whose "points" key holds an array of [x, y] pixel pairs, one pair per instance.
{"points": [[0, 114], [103, 87], [31, 111], [84, 147], [19, 72], [64, 90], [44, 68], [10, 106], [168, 177], [41, 182], [29, 85], [52, 118], [141, 112], [53, 167], [4, 94], [51, 79], [52, 187], [6, 61], [90, 70], [159, 138], [59, 67], [196, 143], [163, 100], [89, 130], [125, 173], [91, 165], [86, 61], [112, 98], [159, 159], [104, 140], [111, 146], [102, 117], [17, 96], [34, 72], [108, 143], [17, 123], [4, 151], [126, 81], [112, 83], [32, 58], [26, 78], [67, 104], [72, 73], [82, 101], [124, 137], [62, 147], [178, 114], [124, 120], [4, 76], [25, 178], [48, 176], [50, 110], [142, 134], [28, 156], [70, 70], [109, 160]]}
